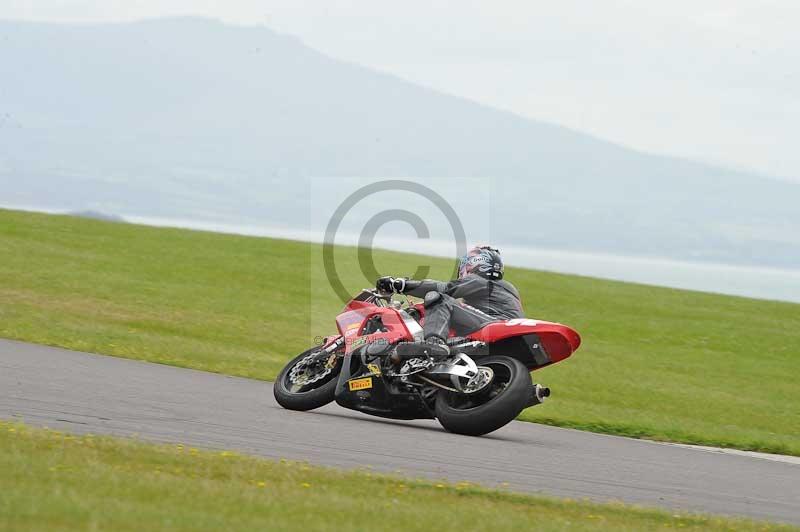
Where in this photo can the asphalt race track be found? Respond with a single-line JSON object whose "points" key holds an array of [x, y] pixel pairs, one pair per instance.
{"points": [[80, 392]]}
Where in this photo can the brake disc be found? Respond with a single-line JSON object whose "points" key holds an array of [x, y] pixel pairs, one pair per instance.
{"points": [[480, 381], [309, 370]]}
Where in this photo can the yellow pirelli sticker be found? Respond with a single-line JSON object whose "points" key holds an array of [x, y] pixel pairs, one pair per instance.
{"points": [[360, 384]]}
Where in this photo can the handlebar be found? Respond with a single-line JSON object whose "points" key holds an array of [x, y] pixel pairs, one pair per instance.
{"points": [[370, 295]]}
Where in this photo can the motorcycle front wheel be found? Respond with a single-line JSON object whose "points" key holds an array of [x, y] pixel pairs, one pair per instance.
{"points": [[308, 381], [488, 410]]}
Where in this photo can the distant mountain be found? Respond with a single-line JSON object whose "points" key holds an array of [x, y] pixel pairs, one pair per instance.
{"points": [[193, 118]]}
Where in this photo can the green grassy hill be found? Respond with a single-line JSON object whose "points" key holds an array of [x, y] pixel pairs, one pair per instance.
{"points": [[655, 362]]}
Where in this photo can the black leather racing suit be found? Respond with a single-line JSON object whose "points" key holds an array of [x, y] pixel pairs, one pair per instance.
{"points": [[482, 301]]}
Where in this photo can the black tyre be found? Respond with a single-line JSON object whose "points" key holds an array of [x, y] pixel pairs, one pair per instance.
{"points": [[487, 410], [311, 385]]}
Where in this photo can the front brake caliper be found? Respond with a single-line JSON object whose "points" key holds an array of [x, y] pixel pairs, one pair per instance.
{"points": [[331, 361]]}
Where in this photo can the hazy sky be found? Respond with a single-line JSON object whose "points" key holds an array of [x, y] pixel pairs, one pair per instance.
{"points": [[715, 80]]}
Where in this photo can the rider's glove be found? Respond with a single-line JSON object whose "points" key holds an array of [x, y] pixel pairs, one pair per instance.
{"points": [[388, 285], [385, 285], [399, 285]]}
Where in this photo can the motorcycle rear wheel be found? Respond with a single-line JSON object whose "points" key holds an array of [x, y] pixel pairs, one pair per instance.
{"points": [[292, 396], [484, 412]]}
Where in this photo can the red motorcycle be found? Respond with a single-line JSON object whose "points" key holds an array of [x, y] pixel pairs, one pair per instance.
{"points": [[483, 385]]}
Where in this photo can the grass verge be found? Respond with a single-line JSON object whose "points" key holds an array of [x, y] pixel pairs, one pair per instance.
{"points": [[659, 363], [55, 481]]}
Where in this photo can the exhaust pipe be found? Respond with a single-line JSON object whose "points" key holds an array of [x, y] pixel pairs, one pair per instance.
{"points": [[538, 394]]}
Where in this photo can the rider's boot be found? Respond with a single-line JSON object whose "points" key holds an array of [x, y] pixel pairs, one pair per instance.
{"points": [[432, 346]]}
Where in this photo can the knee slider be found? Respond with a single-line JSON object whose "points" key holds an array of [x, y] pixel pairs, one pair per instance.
{"points": [[431, 298]]}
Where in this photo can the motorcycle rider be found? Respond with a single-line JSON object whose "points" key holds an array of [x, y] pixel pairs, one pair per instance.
{"points": [[477, 297]]}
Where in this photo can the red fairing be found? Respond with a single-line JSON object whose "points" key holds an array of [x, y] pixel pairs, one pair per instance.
{"points": [[351, 322], [559, 341]]}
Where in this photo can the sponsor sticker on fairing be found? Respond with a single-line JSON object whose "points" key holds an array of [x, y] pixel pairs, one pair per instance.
{"points": [[360, 384]]}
